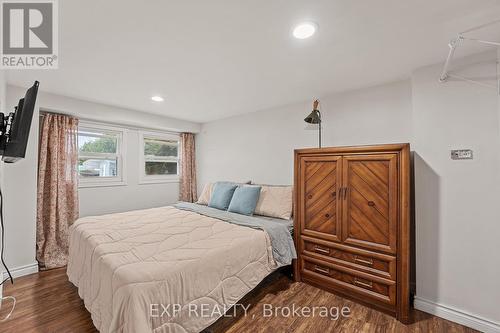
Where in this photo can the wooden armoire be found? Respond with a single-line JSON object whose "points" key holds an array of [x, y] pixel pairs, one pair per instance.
{"points": [[352, 223]]}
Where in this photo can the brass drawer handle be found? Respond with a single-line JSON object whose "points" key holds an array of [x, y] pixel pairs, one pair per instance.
{"points": [[322, 270], [363, 284], [321, 250], [363, 261]]}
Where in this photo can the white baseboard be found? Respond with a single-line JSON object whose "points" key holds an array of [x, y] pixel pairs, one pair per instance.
{"points": [[457, 316], [23, 270]]}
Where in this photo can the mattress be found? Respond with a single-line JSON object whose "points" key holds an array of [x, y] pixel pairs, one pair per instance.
{"points": [[164, 269]]}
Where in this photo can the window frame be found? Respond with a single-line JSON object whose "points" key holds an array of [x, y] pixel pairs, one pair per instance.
{"points": [[119, 179], [157, 179]]}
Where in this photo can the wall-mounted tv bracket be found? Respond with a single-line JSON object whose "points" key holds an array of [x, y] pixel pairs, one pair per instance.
{"points": [[5, 128], [456, 42]]}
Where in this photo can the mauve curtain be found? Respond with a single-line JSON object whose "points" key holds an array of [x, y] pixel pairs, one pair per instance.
{"points": [[187, 190], [57, 205]]}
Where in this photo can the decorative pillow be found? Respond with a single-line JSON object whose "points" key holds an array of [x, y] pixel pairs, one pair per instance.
{"points": [[221, 195], [275, 201], [244, 200], [204, 198], [205, 195]]}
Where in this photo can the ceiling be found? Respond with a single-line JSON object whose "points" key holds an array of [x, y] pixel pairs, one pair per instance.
{"points": [[219, 58]]}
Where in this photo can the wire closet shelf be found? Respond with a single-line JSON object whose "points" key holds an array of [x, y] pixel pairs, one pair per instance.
{"points": [[459, 40]]}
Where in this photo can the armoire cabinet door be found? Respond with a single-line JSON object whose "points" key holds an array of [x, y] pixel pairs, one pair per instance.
{"points": [[370, 201], [320, 204]]}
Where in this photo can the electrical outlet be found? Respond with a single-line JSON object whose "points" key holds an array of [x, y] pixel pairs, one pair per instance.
{"points": [[461, 154]]}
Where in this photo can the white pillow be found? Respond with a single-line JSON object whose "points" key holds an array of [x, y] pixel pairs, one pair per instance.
{"points": [[205, 195], [275, 201]]}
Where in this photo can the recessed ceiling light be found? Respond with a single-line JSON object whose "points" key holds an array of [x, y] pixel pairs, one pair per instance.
{"points": [[304, 30], [157, 98]]}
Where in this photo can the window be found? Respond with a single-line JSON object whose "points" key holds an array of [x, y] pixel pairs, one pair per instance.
{"points": [[160, 158], [99, 156]]}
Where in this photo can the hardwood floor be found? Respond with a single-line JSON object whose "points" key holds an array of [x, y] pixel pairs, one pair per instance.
{"points": [[48, 302]]}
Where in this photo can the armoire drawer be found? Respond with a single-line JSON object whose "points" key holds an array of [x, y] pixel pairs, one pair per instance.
{"points": [[358, 259], [377, 288]]}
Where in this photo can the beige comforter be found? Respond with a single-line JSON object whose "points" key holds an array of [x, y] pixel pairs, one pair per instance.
{"points": [[163, 269]]}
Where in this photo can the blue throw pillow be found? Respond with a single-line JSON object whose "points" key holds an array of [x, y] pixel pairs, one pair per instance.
{"points": [[221, 195], [245, 200]]}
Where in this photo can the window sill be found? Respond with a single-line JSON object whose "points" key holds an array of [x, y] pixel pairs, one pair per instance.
{"points": [[158, 181], [101, 184]]}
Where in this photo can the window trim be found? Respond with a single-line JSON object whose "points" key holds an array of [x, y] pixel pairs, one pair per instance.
{"points": [[156, 179], [120, 179]]}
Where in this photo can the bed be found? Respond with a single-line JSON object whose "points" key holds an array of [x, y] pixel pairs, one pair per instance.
{"points": [[172, 269]]}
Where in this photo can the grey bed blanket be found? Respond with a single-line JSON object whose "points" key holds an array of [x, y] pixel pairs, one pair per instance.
{"points": [[279, 230]]}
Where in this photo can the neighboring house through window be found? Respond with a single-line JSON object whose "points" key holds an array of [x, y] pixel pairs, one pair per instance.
{"points": [[100, 161]]}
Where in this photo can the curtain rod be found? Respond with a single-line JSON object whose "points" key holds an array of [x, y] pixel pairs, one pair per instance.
{"points": [[97, 122], [58, 113]]}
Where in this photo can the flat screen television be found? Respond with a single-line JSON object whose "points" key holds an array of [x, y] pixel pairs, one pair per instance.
{"points": [[18, 134]]}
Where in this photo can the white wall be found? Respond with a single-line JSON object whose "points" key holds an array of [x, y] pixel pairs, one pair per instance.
{"points": [[457, 219], [20, 178], [259, 146]]}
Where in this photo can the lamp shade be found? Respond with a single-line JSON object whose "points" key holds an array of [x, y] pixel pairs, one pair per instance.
{"points": [[313, 118]]}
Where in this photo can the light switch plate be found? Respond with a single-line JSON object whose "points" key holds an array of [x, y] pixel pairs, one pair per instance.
{"points": [[461, 154]]}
